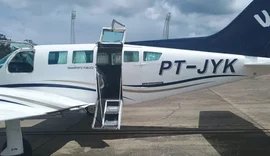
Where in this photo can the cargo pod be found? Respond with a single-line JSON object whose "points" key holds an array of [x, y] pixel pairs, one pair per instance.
{"points": [[109, 78]]}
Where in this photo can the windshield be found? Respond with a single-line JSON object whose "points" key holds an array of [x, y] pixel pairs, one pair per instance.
{"points": [[7, 49], [3, 60]]}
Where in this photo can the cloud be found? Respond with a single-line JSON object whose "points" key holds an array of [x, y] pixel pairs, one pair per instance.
{"points": [[205, 7], [48, 22], [16, 3]]}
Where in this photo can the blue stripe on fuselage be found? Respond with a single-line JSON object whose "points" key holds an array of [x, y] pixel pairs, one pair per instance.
{"points": [[46, 85]]}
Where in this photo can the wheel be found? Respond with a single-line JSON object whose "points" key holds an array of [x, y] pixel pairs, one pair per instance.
{"points": [[91, 110], [26, 147]]}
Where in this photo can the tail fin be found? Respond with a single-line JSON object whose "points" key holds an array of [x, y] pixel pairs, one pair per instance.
{"points": [[248, 34]]}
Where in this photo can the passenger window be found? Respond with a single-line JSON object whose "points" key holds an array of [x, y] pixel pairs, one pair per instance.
{"points": [[151, 56], [131, 56], [57, 57], [22, 62], [84, 56]]}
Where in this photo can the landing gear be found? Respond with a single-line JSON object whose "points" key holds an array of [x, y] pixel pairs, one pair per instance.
{"points": [[91, 110], [15, 144]]}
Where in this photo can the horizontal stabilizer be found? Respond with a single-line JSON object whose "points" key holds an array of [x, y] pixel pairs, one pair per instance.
{"points": [[257, 64], [257, 61]]}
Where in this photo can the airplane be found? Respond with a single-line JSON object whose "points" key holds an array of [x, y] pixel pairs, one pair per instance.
{"points": [[37, 80]]}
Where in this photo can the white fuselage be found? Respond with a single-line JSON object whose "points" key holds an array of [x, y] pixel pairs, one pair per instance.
{"points": [[175, 71]]}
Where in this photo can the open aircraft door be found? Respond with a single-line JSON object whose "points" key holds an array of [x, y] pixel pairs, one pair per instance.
{"points": [[109, 78]]}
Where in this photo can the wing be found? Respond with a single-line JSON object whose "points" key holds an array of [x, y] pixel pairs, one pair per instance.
{"points": [[23, 103]]}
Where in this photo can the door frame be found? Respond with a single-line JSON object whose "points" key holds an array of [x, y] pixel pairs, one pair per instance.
{"points": [[131, 75]]}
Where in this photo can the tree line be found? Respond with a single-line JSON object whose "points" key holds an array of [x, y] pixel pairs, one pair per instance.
{"points": [[5, 47]]}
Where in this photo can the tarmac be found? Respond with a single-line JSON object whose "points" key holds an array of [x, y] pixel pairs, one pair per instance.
{"points": [[227, 120]]}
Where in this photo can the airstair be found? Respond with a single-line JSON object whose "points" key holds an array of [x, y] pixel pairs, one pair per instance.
{"points": [[108, 116], [108, 110]]}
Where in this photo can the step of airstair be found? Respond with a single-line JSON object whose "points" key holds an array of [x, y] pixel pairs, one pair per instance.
{"points": [[108, 114]]}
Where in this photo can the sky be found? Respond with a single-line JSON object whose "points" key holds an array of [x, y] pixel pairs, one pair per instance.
{"points": [[49, 21]]}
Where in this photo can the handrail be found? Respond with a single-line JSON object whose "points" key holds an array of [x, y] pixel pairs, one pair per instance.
{"points": [[115, 21], [120, 88], [100, 102]]}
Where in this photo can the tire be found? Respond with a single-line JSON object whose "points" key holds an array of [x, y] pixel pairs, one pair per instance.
{"points": [[26, 147], [90, 110]]}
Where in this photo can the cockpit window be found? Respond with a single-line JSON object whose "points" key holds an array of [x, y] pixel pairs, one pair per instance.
{"points": [[151, 56], [6, 49], [22, 62]]}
